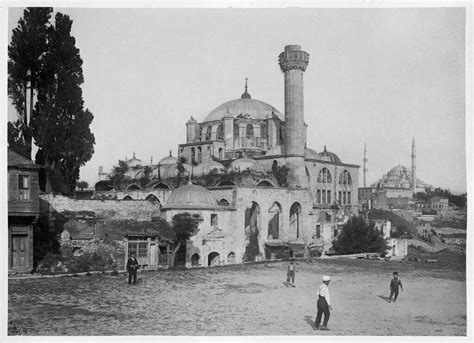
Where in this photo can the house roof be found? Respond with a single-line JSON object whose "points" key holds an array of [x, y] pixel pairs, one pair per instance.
{"points": [[396, 220], [112, 230], [17, 160]]}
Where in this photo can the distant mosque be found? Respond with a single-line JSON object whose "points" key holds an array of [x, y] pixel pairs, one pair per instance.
{"points": [[395, 188], [247, 171]]}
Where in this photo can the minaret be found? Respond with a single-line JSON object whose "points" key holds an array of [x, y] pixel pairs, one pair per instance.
{"points": [[365, 164], [293, 62], [413, 167]]}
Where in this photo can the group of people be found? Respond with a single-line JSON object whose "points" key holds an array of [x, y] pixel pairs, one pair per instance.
{"points": [[324, 300]]}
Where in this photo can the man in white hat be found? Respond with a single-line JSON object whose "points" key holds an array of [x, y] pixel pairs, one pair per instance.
{"points": [[324, 304]]}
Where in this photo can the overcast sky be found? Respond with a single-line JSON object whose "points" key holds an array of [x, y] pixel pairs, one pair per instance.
{"points": [[381, 76]]}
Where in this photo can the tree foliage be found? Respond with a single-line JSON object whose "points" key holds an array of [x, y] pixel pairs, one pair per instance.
{"points": [[118, 177], [359, 237], [59, 123], [454, 199], [25, 52], [185, 225], [82, 184]]}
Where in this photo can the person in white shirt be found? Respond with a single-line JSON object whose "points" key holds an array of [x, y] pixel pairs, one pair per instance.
{"points": [[324, 304]]}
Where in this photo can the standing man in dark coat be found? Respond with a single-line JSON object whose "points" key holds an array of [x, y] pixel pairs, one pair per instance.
{"points": [[132, 266]]}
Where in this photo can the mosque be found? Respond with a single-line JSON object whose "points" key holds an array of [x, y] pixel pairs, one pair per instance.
{"points": [[395, 189], [246, 170]]}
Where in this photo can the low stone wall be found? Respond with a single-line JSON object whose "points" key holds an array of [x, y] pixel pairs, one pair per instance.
{"points": [[141, 210]]}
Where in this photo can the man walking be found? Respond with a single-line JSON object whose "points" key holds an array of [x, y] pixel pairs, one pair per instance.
{"points": [[132, 266], [324, 304]]}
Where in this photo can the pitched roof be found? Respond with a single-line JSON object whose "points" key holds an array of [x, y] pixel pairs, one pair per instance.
{"points": [[396, 220], [17, 160]]}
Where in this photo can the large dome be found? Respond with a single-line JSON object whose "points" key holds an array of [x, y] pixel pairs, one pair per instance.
{"points": [[191, 197], [255, 109]]}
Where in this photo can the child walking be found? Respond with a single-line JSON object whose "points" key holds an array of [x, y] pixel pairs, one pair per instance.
{"points": [[324, 304], [291, 272], [394, 284]]}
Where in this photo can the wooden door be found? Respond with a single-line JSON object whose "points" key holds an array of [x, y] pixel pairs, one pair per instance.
{"points": [[19, 253]]}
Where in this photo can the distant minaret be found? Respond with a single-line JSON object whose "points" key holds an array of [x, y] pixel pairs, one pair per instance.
{"points": [[413, 166], [365, 164]]}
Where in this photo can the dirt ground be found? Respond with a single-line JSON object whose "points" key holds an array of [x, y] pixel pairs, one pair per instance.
{"points": [[246, 300]]}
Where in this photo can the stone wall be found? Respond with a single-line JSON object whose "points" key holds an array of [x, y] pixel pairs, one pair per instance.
{"points": [[140, 210]]}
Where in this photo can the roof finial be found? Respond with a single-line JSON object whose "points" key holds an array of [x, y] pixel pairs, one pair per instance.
{"points": [[246, 95], [325, 148], [134, 155], [170, 154]]}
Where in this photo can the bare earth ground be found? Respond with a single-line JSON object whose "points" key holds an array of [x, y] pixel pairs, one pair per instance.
{"points": [[246, 300]]}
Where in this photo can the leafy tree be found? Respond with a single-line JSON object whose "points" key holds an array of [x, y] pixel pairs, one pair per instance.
{"points": [[82, 185], [118, 176], [359, 237], [185, 225], [26, 52], [145, 179], [181, 169], [60, 125]]}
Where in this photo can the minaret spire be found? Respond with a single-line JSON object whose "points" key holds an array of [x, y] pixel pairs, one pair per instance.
{"points": [[365, 163], [413, 166]]}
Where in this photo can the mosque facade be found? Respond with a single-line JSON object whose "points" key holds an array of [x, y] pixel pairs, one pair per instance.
{"points": [[247, 171]]}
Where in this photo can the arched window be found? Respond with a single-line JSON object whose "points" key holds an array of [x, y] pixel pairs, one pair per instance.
{"points": [[199, 155], [263, 130], [220, 132], [295, 218], [275, 166], [133, 187], [128, 197], [236, 130], [231, 258], [221, 154], [223, 202], [208, 133], [153, 199], [249, 131], [274, 213], [345, 178], [324, 176], [193, 155], [195, 260]]}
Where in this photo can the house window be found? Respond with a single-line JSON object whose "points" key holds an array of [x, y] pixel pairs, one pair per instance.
{"points": [[329, 197], [318, 231], [349, 197], [140, 249], [23, 187], [214, 219], [318, 196]]}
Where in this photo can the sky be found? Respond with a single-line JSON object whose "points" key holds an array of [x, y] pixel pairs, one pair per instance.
{"points": [[375, 76]]}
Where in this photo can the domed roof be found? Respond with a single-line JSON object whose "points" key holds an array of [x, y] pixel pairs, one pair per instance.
{"points": [[168, 160], [311, 154], [398, 169], [245, 106], [191, 197], [168, 171], [134, 162], [329, 156], [206, 167], [246, 163]]}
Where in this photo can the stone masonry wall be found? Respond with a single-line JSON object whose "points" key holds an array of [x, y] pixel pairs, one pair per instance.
{"points": [[140, 210]]}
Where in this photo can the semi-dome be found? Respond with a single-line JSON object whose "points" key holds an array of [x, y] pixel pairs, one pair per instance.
{"points": [[191, 197], [206, 167], [329, 156], [246, 163], [255, 109]]}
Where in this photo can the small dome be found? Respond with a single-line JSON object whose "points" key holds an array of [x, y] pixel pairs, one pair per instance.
{"points": [[168, 160], [206, 167], [191, 197], [169, 171], [246, 163], [311, 154], [191, 121], [329, 156], [134, 162]]}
